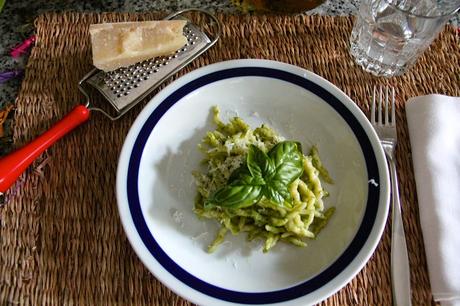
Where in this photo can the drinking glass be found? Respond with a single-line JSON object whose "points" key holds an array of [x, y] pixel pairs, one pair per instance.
{"points": [[389, 35]]}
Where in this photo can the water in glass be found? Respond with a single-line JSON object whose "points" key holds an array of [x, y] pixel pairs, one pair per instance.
{"points": [[388, 35]]}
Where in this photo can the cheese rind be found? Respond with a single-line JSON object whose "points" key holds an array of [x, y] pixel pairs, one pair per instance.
{"points": [[122, 44]]}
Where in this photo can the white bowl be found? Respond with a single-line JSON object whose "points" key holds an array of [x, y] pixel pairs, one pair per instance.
{"points": [[155, 188]]}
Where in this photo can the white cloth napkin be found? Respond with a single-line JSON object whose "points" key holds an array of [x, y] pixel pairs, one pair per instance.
{"points": [[434, 131]]}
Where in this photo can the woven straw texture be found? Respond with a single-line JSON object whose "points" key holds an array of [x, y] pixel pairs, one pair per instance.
{"points": [[60, 236]]}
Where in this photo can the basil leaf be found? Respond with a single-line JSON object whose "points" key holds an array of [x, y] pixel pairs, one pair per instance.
{"points": [[286, 152], [285, 174], [277, 194], [259, 164], [235, 196], [287, 158], [262, 174], [247, 179]]}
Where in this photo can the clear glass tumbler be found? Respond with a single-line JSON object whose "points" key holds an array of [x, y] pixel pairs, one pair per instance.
{"points": [[389, 35]]}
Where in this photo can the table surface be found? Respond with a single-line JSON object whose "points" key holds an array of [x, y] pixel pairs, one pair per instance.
{"points": [[19, 14]]}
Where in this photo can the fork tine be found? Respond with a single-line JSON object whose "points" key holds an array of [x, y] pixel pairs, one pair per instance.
{"points": [[373, 107], [386, 106], [379, 119], [393, 108]]}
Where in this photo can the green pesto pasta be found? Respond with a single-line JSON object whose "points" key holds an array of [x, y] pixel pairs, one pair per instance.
{"points": [[260, 184]]}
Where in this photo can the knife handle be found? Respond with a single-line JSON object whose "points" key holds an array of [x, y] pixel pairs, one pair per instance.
{"points": [[14, 164], [400, 269]]}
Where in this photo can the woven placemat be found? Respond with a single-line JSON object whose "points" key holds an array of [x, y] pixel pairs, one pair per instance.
{"points": [[60, 236]]}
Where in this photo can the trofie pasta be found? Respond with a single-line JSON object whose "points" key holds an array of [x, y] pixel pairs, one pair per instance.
{"points": [[260, 184]]}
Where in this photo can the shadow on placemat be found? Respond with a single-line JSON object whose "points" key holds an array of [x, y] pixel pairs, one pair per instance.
{"points": [[61, 238]]}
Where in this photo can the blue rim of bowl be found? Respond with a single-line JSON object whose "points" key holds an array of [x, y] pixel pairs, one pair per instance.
{"points": [[269, 297]]}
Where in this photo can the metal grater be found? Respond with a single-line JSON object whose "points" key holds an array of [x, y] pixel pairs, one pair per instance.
{"points": [[125, 87]]}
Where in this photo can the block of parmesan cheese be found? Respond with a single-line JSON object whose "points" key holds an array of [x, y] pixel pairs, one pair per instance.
{"points": [[122, 44]]}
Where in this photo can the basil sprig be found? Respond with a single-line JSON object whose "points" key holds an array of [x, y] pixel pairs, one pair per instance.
{"points": [[263, 174]]}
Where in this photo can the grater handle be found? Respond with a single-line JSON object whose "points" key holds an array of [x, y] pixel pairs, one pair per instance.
{"points": [[14, 164]]}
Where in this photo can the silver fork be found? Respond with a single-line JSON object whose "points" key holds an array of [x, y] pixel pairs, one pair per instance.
{"points": [[386, 130]]}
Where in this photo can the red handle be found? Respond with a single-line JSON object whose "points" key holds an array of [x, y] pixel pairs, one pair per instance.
{"points": [[14, 164]]}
